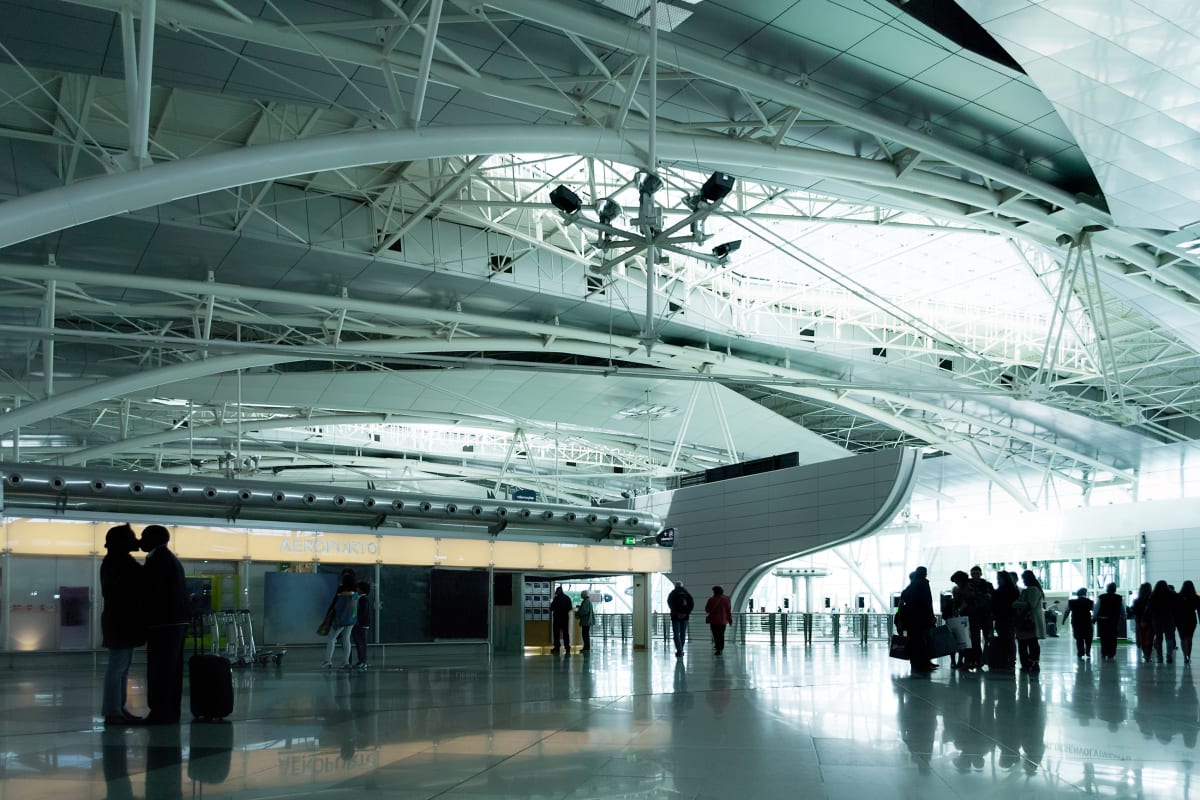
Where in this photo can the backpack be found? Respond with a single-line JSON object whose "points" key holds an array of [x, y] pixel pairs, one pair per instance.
{"points": [[345, 609]]}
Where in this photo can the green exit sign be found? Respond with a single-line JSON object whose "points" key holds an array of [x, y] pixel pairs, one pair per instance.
{"points": [[630, 540]]}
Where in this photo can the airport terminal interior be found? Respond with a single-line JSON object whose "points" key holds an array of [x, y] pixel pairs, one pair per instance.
{"points": [[480, 298]]}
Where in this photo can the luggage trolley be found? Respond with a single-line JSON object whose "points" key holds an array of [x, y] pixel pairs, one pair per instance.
{"points": [[234, 648], [245, 625]]}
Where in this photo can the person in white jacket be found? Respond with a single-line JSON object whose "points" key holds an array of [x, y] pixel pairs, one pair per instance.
{"points": [[1030, 623]]}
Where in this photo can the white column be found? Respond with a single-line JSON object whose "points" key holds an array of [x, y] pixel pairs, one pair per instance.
{"points": [[641, 611]]}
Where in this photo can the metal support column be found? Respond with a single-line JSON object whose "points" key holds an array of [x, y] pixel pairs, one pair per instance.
{"points": [[6, 596]]}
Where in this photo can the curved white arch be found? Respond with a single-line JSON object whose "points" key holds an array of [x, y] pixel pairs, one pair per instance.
{"points": [[28, 217], [116, 387]]}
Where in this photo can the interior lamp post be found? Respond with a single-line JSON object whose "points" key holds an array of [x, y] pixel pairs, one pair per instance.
{"points": [[650, 236]]}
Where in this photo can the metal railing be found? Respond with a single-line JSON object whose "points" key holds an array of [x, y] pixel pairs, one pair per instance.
{"points": [[776, 628]]}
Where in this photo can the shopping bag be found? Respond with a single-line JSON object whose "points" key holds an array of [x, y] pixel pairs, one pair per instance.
{"points": [[942, 642], [960, 627], [899, 647]]}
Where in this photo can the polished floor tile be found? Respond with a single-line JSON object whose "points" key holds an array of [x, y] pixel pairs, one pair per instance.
{"points": [[757, 722]]}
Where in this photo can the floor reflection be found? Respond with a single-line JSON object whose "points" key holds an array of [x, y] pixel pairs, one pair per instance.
{"points": [[755, 722]]}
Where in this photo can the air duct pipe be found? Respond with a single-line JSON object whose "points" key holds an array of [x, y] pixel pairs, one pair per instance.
{"points": [[36, 488]]}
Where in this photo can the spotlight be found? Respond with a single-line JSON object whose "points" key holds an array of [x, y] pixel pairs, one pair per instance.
{"points": [[566, 201], [607, 210], [717, 186], [724, 249], [649, 183]]}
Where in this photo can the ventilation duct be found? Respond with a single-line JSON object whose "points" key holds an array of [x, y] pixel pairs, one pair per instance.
{"points": [[41, 490]]}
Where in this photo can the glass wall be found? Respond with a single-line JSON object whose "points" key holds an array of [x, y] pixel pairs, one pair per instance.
{"points": [[50, 603]]}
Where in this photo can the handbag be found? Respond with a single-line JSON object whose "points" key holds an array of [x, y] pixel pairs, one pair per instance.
{"points": [[899, 647], [326, 624]]}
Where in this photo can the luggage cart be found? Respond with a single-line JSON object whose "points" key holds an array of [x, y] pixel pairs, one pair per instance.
{"points": [[246, 631], [235, 648]]}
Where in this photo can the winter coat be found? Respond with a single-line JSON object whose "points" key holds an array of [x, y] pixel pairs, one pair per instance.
{"points": [[681, 603], [560, 606], [585, 614], [122, 622], [165, 598], [1079, 611], [1030, 622], [1185, 611], [916, 606], [717, 611], [363, 620]]}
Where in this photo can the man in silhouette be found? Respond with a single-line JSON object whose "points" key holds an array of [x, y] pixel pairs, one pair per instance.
{"points": [[167, 616]]}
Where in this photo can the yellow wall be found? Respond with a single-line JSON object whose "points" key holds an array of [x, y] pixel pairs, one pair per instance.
{"points": [[73, 538]]}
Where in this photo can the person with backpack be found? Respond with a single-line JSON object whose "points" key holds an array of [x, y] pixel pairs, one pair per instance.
{"points": [[362, 623], [345, 612], [680, 602]]}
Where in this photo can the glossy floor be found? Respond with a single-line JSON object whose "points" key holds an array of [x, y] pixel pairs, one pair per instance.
{"points": [[755, 722]]}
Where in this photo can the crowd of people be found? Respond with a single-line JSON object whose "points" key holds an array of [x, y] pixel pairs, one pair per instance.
{"points": [[1165, 620], [1006, 621]]}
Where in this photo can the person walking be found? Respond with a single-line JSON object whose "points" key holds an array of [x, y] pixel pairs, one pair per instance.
{"points": [[680, 603], [362, 623], [167, 613], [718, 614], [1162, 620], [345, 612], [1030, 622], [587, 618], [914, 619], [121, 623], [1079, 612], [1143, 627], [560, 620], [1110, 610], [1186, 605]]}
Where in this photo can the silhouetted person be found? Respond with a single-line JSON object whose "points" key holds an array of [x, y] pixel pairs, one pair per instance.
{"points": [[1030, 622], [1079, 612], [1110, 610], [718, 614], [168, 612], [1186, 604], [1143, 626], [964, 603], [680, 602], [1162, 618], [915, 619], [362, 623], [122, 622], [981, 610], [560, 620], [1005, 620]]}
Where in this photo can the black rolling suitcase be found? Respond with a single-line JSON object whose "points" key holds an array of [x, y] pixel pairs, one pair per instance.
{"points": [[210, 680]]}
